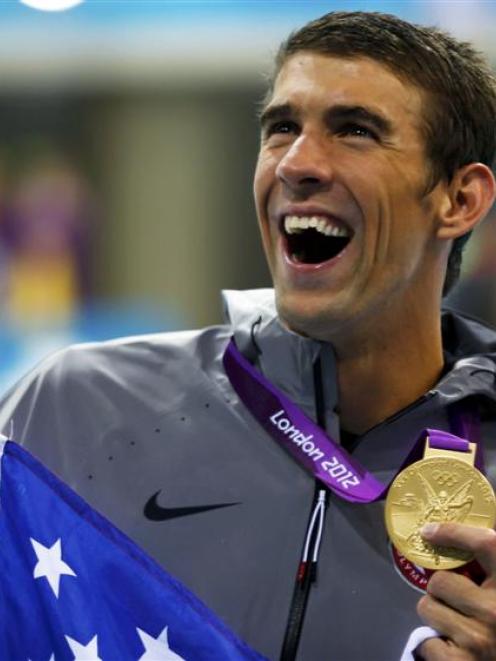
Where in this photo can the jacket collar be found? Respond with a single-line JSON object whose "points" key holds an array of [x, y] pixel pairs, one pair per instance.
{"points": [[287, 359], [283, 357], [470, 354]]}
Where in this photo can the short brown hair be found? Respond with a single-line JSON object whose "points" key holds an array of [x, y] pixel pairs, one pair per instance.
{"points": [[459, 122]]}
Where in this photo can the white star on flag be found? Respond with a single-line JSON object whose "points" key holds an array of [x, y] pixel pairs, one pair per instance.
{"points": [[87, 652], [157, 649], [50, 564]]}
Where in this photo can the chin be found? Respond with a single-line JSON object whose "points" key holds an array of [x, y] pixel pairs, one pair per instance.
{"points": [[306, 317]]}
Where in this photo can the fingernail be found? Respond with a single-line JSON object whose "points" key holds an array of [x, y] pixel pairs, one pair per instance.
{"points": [[429, 529]]}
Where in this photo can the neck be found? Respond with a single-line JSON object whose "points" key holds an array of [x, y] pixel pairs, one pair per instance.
{"points": [[380, 374]]}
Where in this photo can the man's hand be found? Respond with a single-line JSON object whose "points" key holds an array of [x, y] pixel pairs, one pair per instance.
{"points": [[461, 611]]}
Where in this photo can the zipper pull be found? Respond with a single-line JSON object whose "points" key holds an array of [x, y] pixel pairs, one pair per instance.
{"points": [[316, 525]]}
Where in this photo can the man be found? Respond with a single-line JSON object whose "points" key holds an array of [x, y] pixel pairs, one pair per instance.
{"points": [[377, 142]]}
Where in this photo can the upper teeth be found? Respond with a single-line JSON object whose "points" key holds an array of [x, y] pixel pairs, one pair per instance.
{"points": [[296, 224]]}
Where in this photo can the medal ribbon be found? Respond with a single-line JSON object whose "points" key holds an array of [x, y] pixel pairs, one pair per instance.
{"points": [[321, 455]]}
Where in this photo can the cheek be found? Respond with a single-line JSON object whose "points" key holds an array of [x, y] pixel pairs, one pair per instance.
{"points": [[261, 187], [263, 180]]}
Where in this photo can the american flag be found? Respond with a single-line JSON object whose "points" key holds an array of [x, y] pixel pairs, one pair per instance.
{"points": [[72, 586]]}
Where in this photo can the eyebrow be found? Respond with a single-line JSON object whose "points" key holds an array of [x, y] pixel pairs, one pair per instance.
{"points": [[275, 113], [362, 114], [341, 112]]}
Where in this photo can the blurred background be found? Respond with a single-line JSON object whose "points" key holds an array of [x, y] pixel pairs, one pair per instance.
{"points": [[128, 138]]}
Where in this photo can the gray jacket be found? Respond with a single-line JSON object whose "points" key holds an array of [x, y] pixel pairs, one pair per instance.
{"points": [[121, 420]]}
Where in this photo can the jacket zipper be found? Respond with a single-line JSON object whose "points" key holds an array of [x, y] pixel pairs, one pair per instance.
{"points": [[307, 569], [306, 575]]}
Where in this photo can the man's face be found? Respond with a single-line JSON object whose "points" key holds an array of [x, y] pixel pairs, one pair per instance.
{"points": [[339, 188]]}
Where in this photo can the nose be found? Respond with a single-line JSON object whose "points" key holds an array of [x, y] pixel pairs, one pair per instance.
{"points": [[306, 166]]}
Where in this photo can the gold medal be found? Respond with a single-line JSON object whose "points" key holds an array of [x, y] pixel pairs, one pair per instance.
{"points": [[443, 487]]}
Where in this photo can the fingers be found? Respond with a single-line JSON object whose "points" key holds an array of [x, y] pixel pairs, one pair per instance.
{"points": [[475, 638], [481, 541], [460, 593], [444, 619], [460, 610], [436, 649]]}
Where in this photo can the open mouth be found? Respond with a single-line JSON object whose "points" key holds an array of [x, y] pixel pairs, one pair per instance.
{"points": [[314, 239]]}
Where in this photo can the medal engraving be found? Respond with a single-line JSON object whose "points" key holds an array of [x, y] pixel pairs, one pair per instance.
{"points": [[437, 490]]}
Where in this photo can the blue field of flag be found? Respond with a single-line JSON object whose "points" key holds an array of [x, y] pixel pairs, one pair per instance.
{"points": [[72, 586]]}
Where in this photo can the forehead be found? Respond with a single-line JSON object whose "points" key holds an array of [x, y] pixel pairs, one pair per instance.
{"points": [[312, 80]]}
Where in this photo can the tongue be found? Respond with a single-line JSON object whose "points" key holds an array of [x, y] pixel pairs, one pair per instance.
{"points": [[312, 247]]}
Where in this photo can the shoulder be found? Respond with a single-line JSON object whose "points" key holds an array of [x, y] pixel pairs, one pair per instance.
{"points": [[95, 378], [131, 356]]}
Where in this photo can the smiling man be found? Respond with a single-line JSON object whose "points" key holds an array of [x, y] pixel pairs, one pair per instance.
{"points": [[356, 246], [252, 459]]}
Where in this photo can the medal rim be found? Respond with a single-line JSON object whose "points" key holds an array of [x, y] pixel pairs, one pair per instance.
{"points": [[405, 551]]}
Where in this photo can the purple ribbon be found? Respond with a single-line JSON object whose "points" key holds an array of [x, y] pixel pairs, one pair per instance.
{"points": [[444, 441], [322, 456]]}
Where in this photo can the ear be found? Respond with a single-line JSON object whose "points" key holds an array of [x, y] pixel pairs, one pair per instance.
{"points": [[468, 198]]}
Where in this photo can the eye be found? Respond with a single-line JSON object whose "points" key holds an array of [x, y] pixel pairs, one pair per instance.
{"points": [[357, 131], [280, 127]]}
